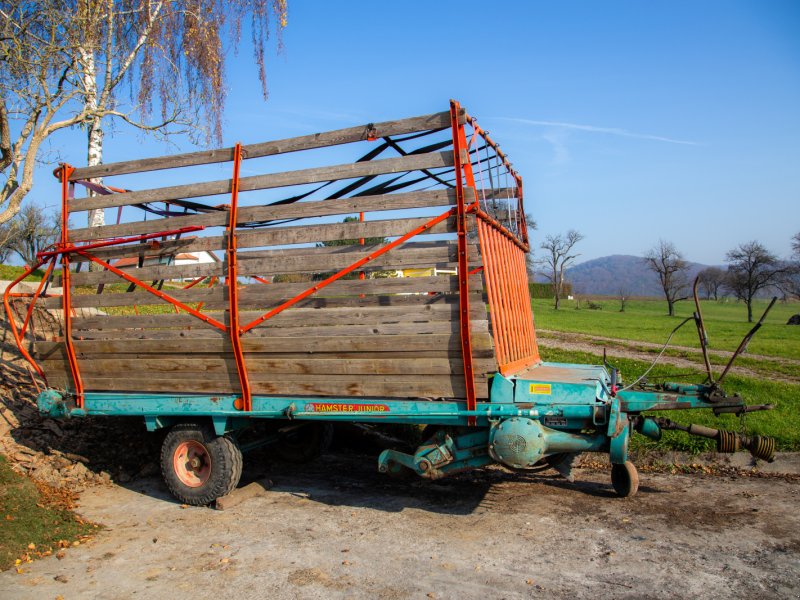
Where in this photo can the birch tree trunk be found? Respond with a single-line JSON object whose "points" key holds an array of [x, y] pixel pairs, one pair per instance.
{"points": [[95, 129]]}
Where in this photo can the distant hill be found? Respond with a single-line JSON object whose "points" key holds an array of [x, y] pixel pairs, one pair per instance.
{"points": [[605, 276]]}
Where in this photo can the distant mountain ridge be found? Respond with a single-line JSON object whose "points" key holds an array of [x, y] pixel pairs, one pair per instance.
{"points": [[607, 275]]}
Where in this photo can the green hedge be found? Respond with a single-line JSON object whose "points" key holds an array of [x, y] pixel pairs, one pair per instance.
{"points": [[545, 290]]}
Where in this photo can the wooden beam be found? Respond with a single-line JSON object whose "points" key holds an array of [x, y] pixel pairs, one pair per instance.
{"points": [[225, 365], [278, 345], [277, 236], [306, 142], [319, 208], [291, 317], [149, 274], [431, 386], [350, 330], [261, 295], [432, 160]]}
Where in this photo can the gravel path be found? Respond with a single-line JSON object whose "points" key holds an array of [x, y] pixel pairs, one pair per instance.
{"points": [[337, 529]]}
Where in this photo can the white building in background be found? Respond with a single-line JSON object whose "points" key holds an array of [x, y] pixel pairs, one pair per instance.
{"points": [[184, 258]]}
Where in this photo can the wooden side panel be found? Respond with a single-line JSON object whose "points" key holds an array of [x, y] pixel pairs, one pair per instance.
{"points": [[433, 160], [388, 329], [299, 210], [306, 142]]}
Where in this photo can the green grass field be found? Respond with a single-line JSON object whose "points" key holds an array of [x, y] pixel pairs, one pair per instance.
{"points": [[646, 321], [9, 273]]}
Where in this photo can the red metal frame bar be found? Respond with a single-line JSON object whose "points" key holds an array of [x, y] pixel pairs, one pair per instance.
{"points": [[463, 170], [148, 288], [356, 265], [514, 332], [66, 248], [520, 205], [35, 295], [234, 330], [66, 294], [19, 338], [494, 301], [501, 229]]}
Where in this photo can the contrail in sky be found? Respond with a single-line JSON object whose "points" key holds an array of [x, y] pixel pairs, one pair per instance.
{"points": [[607, 130]]}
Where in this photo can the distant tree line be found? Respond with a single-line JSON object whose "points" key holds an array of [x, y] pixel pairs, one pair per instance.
{"points": [[541, 290], [32, 230], [751, 270]]}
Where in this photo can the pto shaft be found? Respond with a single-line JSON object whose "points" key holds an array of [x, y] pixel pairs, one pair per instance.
{"points": [[727, 441]]}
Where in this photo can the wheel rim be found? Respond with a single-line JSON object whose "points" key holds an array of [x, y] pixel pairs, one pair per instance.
{"points": [[192, 463]]}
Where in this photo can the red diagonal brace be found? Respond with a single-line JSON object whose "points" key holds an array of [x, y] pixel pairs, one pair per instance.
{"points": [[148, 288], [356, 265], [233, 291]]}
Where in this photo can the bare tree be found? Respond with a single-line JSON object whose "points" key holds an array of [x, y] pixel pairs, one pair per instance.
{"points": [[790, 284], [669, 264], [557, 257], [67, 63], [31, 231], [712, 280], [623, 295], [751, 268]]}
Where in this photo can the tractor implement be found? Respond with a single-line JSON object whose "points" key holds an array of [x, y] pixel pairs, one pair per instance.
{"points": [[391, 289]]}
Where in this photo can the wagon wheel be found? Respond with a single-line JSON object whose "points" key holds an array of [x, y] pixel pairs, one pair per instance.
{"points": [[305, 443], [198, 465], [625, 479]]}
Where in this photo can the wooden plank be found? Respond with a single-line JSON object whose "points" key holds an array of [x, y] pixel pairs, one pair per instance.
{"points": [[309, 385], [57, 353], [431, 160], [320, 260], [154, 273], [195, 294], [281, 236], [261, 295], [320, 208], [306, 142], [290, 317], [195, 334], [482, 345], [225, 364], [325, 302]]}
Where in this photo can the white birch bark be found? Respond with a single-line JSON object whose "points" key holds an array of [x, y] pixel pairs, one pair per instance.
{"points": [[95, 129]]}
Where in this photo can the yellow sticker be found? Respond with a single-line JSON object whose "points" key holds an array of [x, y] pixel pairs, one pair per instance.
{"points": [[541, 389]]}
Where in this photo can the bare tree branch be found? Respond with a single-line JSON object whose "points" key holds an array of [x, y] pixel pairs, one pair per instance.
{"points": [[65, 63], [668, 263], [557, 258]]}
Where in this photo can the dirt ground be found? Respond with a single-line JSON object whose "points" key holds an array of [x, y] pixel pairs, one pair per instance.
{"points": [[338, 529]]}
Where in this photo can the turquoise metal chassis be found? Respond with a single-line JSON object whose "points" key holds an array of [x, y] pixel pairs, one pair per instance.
{"points": [[559, 408]]}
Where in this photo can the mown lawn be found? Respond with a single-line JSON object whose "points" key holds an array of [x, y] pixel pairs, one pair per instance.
{"points": [[646, 320], [782, 423], [9, 273]]}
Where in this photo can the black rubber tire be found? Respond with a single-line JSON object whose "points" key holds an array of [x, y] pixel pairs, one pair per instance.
{"points": [[625, 479], [226, 463], [306, 443]]}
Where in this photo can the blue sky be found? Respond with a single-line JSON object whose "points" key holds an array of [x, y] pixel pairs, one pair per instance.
{"points": [[629, 121]]}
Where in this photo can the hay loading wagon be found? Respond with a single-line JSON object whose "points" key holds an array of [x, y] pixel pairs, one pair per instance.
{"points": [[388, 289]]}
